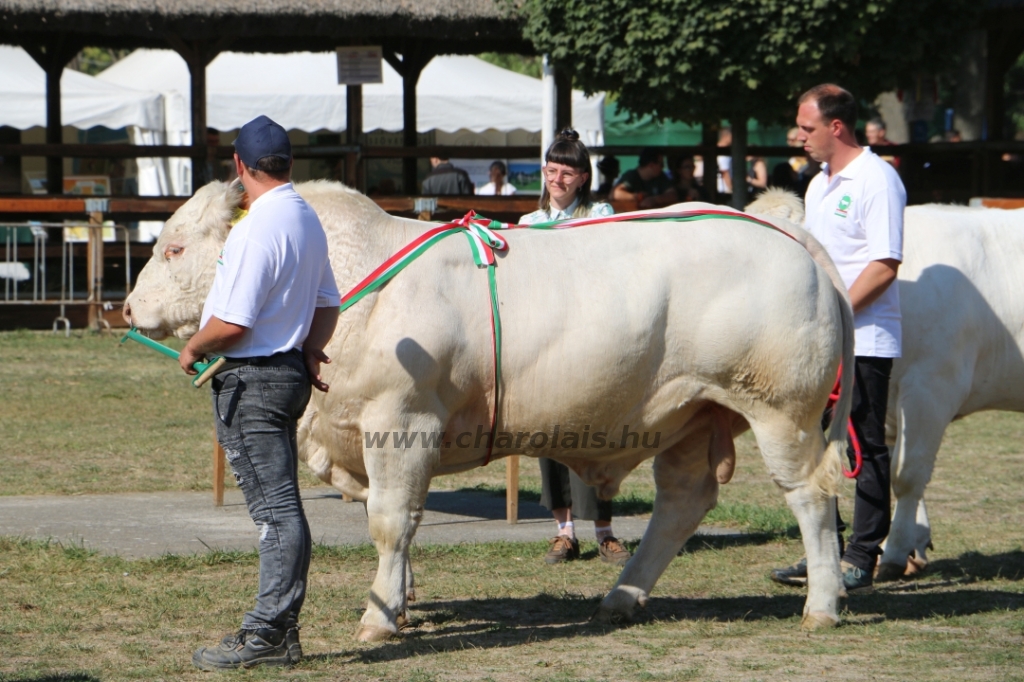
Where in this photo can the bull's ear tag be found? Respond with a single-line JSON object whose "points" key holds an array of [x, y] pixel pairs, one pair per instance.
{"points": [[238, 215]]}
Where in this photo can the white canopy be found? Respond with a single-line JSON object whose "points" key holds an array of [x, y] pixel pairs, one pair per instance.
{"points": [[85, 101], [300, 91]]}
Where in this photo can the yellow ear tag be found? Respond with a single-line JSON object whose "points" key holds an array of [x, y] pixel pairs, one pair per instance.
{"points": [[238, 215]]}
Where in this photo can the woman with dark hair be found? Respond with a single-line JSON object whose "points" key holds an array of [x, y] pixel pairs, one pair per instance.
{"points": [[566, 194], [498, 186], [566, 186]]}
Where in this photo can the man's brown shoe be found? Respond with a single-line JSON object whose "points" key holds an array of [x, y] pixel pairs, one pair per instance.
{"points": [[563, 548], [613, 552]]}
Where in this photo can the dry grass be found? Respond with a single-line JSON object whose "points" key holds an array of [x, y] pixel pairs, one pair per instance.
{"points": [[495, 611]]}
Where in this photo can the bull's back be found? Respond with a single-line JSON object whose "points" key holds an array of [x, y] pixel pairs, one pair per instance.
{"points": [[610, 314]]}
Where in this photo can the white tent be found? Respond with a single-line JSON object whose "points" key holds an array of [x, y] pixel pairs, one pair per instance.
{"points": [[300, 91], [85, 101]]}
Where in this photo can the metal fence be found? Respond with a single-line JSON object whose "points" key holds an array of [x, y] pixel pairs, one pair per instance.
{"points": [[61, 264]]}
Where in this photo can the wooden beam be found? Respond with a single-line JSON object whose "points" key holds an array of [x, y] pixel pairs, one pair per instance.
{"points": [[415, 57], [218, 472], [353, 135], [709, 138], [197, 55], [52, 56], [512, 488], [563, 100]]}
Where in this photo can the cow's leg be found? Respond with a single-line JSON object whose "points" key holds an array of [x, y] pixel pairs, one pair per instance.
{"points": [[921, 422], [686, 490], [399, 480], [798, 464]]}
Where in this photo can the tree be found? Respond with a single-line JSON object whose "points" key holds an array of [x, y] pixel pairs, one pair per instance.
{"points": [[703, 60]]}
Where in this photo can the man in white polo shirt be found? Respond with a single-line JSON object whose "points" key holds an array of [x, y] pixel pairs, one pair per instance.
{"points": [[854, 207], [271, 311]]}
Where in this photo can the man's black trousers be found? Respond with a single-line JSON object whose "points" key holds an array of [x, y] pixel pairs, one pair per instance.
{"points": [[871, 505]]}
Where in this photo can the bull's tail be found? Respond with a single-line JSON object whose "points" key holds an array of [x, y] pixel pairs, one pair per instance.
{"points": [[829, 472]]}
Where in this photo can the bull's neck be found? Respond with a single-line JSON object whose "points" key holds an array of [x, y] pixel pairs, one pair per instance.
{"points": [[366, 246]]}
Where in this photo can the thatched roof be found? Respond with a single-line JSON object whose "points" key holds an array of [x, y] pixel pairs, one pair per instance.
{"points": [[453, 26]]}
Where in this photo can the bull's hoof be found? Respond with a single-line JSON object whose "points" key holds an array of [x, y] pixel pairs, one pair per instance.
{"points": [[818, 620], [372, 633], [915, 565], [402, 621], [889, 571], [410, 595], [606, 616]]}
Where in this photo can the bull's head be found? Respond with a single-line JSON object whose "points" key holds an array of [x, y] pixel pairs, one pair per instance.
{"points": [[169, 295]]}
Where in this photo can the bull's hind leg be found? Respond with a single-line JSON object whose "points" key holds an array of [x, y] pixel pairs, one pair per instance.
{"points": [[686, 490], [798, 463], [399, 481]]}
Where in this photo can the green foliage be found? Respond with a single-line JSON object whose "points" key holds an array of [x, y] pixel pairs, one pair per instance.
{"points": [[695, 60], [93, 60], [526, 65]]}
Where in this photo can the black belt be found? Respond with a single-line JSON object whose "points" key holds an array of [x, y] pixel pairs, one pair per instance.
{"points": [[255, 361]]}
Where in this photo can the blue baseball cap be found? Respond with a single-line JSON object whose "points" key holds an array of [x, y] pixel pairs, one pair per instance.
{"points": [[260, 138]]}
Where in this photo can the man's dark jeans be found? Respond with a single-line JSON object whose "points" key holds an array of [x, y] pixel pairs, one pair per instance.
{"points": [[256, 408], [871, 506]]}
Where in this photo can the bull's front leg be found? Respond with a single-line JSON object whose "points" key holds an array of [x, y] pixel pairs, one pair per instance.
{"points": [[922, 416], [686, 490], [399, 476]]}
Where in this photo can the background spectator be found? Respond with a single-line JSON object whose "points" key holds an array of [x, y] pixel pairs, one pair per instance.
{"points": [[497, 186], [646, 184], [724, 167], [446, 179], [683, 170], [874, 132]]}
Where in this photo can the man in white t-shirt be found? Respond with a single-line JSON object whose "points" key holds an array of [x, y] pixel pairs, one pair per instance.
{"points": [[271, 311], [854, 207]]}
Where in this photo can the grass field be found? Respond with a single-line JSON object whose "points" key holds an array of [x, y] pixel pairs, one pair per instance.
{"points": [[81, 415]]}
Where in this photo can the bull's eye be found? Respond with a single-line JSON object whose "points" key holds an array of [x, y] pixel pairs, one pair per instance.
{"points": [[173, 251]]}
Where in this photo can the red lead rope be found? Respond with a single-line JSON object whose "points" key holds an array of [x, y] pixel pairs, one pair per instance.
{"points": [[858, 457]]}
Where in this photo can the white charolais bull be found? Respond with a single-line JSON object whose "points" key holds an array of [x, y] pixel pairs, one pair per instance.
{"points": [[963, 346], [685, 332]]}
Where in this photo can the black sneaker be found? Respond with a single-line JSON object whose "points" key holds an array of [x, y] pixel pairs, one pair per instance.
{"points": [[291, 641], [856, 580], [247, 649], [795, 575]]}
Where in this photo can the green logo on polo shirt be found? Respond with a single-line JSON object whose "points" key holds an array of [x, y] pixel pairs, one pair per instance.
{"points": [[220, 257], [844, 205]]}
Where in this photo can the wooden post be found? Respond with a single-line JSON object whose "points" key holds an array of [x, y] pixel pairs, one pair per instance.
{"points": [[512, 489], [739, 162], [414, 58], [563, 100], [218, 473], [353, 133], [52, 56], [198, 55], [94, 269], [709, 138]]}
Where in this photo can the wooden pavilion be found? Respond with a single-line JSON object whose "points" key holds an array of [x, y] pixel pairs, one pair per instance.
{"points": [[409, 32]]}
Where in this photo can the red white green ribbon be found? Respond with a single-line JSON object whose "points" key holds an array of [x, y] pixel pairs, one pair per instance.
{"points": [[483, 241]]}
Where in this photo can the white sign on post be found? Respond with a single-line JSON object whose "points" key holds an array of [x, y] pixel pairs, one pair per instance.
{"points": [[359, 65]]}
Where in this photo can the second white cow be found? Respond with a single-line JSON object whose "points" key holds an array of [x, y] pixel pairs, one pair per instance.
{"points": [[962, 299]]}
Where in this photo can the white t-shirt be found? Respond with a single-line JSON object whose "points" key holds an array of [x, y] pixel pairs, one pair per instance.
{"points": [[857, 215], [724, 166], [507, 190], [271, 275], [598, 209]]}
